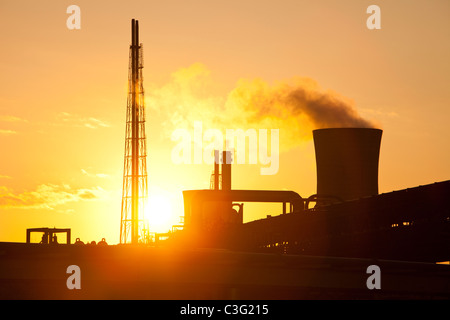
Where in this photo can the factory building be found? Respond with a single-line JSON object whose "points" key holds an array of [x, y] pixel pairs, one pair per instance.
{"points": [[347, 217]]}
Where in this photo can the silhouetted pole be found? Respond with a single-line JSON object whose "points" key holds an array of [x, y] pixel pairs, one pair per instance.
{"points": [[135, 133], [216, 169], [226, 170], [135, 168]]}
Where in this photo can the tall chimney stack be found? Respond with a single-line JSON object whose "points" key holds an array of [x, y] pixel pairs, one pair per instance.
{"points": [[134, 192], [226, 170]]}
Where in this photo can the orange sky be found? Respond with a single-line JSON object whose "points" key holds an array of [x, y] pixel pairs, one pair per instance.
{"points": [[63, 96]]}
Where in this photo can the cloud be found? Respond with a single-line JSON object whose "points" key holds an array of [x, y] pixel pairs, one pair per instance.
{"points": [[9, 118], [7, 132], [48, 196], [87, 195], [79, 121], [94, 123], [94, 175]]}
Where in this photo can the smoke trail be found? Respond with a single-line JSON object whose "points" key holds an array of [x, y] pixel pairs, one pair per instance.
{"points": [[299, 97], [295, 106]]}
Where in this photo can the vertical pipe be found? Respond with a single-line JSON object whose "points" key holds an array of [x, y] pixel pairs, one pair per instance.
{"points": [[226, 170], [136, 132], [216, 169], [134, 152]]}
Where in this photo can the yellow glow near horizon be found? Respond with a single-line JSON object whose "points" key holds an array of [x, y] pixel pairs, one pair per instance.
{"points": [[63, 141], [159, 211]]}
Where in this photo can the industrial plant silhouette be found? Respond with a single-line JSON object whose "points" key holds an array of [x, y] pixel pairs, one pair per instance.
{"points": [[319, 247], [135, 166]]}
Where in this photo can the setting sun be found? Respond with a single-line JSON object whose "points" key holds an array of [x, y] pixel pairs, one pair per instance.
{"points": [[159, 211]]}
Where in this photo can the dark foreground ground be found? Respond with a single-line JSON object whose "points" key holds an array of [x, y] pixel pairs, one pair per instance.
{"points": [[34, 271]]}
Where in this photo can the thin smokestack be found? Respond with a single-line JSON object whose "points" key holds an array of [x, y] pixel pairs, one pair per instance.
{"points": [[226, 170], [136, 33], [135, 132], [132, 32], [216, 169]]}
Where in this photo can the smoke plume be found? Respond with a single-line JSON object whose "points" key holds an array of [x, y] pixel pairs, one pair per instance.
{"points": [[295, 106]]}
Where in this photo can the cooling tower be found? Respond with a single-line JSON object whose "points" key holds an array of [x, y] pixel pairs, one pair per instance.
{"points": [[347, 162]]}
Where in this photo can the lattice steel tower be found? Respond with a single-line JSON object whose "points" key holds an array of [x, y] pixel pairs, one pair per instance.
{"points": [[134, 194]]}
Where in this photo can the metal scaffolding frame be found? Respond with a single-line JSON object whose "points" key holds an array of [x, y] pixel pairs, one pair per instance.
{"points": [[135, 163]]}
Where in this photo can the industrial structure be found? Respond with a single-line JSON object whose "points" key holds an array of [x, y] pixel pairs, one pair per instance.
{"points": [[349, 217], [347, 162], [134, 192], [318, 247], [49, 234]]}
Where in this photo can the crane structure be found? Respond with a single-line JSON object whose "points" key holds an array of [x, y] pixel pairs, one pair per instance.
{"points": [[134, 194]]}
